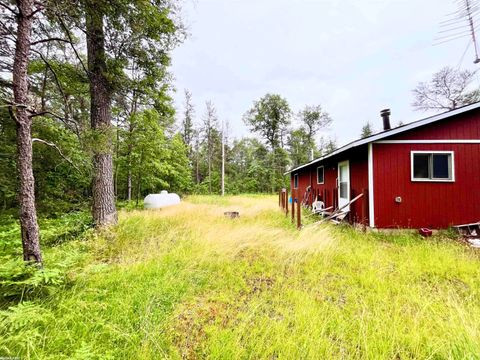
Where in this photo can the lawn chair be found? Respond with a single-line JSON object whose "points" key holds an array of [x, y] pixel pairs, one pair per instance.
{"points": [[318, 207]]}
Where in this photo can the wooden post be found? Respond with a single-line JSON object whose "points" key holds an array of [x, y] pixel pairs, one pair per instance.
{"points": [[335, 198], [365, 207], [353, 209], [293, 208], [286, 202], [280, 198], [299, 214]]}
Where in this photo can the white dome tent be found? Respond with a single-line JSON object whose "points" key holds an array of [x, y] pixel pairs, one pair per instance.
{"points": [[158, 201]]}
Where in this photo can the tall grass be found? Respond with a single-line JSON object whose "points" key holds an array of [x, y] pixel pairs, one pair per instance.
{"points": [[187, 282]]}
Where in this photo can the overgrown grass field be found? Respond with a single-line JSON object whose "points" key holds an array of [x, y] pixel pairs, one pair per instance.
{"points": [[186, 282]]}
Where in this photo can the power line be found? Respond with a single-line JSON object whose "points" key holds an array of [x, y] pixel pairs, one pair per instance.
{"points": [[463, 55]]}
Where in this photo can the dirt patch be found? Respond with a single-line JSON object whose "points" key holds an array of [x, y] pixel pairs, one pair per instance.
{"points": [[190, 324]]}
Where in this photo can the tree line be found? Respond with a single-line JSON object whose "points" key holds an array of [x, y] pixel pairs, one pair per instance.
{"points": [[284, 138]]}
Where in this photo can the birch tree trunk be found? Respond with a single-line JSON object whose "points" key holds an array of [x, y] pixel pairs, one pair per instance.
{"points": [[26, 196], [104, 211]]}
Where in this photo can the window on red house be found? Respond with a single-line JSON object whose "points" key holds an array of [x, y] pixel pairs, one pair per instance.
{"points": [[432, 166], [320, 175]]}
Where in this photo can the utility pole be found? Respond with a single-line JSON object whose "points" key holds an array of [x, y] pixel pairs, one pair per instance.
{"points": [[223, 159]]}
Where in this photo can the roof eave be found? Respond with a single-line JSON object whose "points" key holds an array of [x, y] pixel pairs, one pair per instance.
{"points": [[397, 130]]}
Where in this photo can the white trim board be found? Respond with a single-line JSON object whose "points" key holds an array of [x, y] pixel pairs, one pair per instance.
{"points": [[428, 142], [371, 206], [392, 132]]}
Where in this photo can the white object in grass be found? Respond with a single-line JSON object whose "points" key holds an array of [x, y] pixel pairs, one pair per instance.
{"points": [[475, 243], [158, 201]]}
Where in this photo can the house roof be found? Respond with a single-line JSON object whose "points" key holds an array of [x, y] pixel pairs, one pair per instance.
{"points": [[394, 131]]}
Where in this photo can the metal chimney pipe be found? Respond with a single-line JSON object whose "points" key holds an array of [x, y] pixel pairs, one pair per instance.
{"points": [[385, 114]]}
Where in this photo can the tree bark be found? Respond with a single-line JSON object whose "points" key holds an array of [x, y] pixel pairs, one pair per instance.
{"points": [[133, 112], [129, 183], [26, 196], [103, 209]]}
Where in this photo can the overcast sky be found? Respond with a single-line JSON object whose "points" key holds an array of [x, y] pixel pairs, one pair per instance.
{"points": [[354, 57]]}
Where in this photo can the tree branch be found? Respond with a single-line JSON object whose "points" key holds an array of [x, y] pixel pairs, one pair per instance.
{"points": [[62, 119], [2, 4], [12, 114], [67, 31], [57, 81], [59, 151], [49, 39]]}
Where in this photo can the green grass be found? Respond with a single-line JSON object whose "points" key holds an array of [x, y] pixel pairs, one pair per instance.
{"points": [[186, 282]]}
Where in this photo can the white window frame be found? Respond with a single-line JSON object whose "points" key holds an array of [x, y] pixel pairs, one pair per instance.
{"points": [[323, 174], [295, 181], [452, 156]]}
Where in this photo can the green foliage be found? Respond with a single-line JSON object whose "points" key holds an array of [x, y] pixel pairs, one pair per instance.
{"points": [[299, 145], [22, 327], [8, 182], [248, 167], [60, 184], [366, 130], [19, 281], [314, 118], [154, 160], [269, 117], [22, 281]]}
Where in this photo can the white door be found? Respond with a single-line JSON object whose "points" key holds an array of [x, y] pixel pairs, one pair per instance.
{"points": [[343, 184]]}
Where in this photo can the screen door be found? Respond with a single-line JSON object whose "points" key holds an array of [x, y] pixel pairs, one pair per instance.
{"points": [[343, 184]]}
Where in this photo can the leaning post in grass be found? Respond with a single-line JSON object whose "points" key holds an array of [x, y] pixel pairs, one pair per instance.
{"points": [[299, 214], [293, 208], [365, 207], [286, 202]]}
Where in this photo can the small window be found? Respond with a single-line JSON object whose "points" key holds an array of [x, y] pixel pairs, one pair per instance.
{"points": [[295, 181], [432, 166], [320, 174]]}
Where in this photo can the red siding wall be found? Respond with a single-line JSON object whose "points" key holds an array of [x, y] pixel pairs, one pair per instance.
{"points": [[464, 126], [429, 204]]}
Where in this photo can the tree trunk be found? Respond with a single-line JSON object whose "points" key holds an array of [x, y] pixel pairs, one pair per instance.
{"points": [[139, 177], [26, 196], [197, 170], [133, 112], [129, 183], [209, 174], [117, 155], [103, 210]]}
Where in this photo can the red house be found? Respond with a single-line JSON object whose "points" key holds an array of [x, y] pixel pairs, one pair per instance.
{"points": [[423, 174]]}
